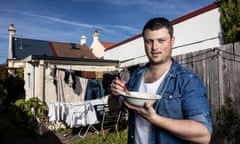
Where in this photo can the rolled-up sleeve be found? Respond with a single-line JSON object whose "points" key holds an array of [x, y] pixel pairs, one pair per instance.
{"points": [[205, 119], [195, 103]]}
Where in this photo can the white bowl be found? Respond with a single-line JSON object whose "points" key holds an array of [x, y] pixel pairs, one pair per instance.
{"points": [[138, 98]]}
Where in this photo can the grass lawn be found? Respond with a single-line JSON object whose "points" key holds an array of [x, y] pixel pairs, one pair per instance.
{"points": [[111, 138]]}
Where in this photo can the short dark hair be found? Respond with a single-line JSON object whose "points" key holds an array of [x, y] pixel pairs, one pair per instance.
{"points": [[158, 23]]}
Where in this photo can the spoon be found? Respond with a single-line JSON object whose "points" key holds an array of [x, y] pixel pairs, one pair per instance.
{"points": [[125, 90]]}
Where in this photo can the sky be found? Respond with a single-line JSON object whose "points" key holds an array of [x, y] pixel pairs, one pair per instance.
{"points": [[68, 20]]}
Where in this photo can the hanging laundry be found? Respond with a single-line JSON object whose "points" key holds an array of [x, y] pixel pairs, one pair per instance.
{"points": [[66, 92], [70, 81]]}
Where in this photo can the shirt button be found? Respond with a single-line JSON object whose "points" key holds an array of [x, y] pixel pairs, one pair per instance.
{"points": [[170, 96]]}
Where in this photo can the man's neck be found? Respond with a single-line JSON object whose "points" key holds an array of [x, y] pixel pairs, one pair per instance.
{"points": [[156, 71]]}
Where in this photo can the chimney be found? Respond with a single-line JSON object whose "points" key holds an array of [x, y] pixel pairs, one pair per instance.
{"points": [[83, 40], [96, 46], [11, 31], [96, 35]]}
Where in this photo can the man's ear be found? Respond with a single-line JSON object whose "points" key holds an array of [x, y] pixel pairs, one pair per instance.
{"points": [[173, 40]]}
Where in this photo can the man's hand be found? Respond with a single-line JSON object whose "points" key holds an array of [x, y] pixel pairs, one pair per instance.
{"points": [[147, 111], [116, 86]]}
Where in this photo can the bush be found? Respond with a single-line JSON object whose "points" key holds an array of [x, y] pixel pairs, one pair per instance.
{"points": [[3, 77], [30, 113], [3, 93], [16, 82], [228, 120]]}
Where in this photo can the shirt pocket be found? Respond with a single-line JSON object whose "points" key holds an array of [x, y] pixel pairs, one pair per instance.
{"points": [[170, 105]]}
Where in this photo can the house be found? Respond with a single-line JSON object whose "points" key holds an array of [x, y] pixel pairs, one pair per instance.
{"points": [[195, 31], [99, 47], [42, 61]]}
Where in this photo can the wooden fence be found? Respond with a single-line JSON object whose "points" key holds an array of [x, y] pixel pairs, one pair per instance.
{"points": [[219, 69]]}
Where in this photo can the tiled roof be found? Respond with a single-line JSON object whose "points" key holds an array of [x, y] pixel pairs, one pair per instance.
{"points": [[107, 45], [23, 47], [71, 50]]}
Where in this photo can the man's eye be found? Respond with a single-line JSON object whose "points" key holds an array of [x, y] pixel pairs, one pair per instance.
{"points": [[161, 40], [147, 41]]}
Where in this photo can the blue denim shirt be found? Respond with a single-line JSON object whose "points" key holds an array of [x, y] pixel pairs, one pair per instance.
{"points": [[183, 97]]}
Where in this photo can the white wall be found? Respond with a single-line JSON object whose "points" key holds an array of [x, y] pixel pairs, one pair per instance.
{"points": [[50, 87], [30, 79], [132, 52], [197, 33], [32, 87]]}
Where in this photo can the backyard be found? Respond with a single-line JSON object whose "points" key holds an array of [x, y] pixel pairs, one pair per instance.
{"points": [[11, 132]]}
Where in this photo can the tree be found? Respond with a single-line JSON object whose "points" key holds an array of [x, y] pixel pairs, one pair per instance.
{"points": [[230, 20], [3, 72], [3, 77]]}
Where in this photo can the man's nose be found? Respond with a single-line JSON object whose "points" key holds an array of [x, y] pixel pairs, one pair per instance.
{"points": [[155, 44]]}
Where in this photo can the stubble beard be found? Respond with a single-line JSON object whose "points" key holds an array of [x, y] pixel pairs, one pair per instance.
{"points": [[159, 61]]}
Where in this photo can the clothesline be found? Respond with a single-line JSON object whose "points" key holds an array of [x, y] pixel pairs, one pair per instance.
{"points": [[87, 68], [75, 114]]}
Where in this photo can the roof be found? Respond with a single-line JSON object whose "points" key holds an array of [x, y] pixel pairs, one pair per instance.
{"points": [[107, 45], [71, 50], [85, 64], [195, 13], [71, 60], [175, 21], [23, 47]]}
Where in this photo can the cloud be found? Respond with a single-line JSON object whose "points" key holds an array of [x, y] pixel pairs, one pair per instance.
{"points": [[106, 28], [124, 28], [50, 18]]}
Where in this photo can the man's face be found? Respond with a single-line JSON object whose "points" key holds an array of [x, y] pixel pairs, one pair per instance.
{"points": [[158, 45]]}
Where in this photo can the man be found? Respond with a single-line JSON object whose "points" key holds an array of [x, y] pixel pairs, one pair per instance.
{"points": [[182, 115]]}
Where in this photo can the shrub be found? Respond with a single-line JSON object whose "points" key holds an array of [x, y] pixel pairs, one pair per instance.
{"points": [[228, 120], [3, 93], [30, 114]]}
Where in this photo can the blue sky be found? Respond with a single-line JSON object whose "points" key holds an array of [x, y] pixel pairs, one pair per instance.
{"points": [[68, 20]]}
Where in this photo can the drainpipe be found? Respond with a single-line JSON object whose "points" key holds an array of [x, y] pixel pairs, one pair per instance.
{"points": [[33, 80], [41, 84]]}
